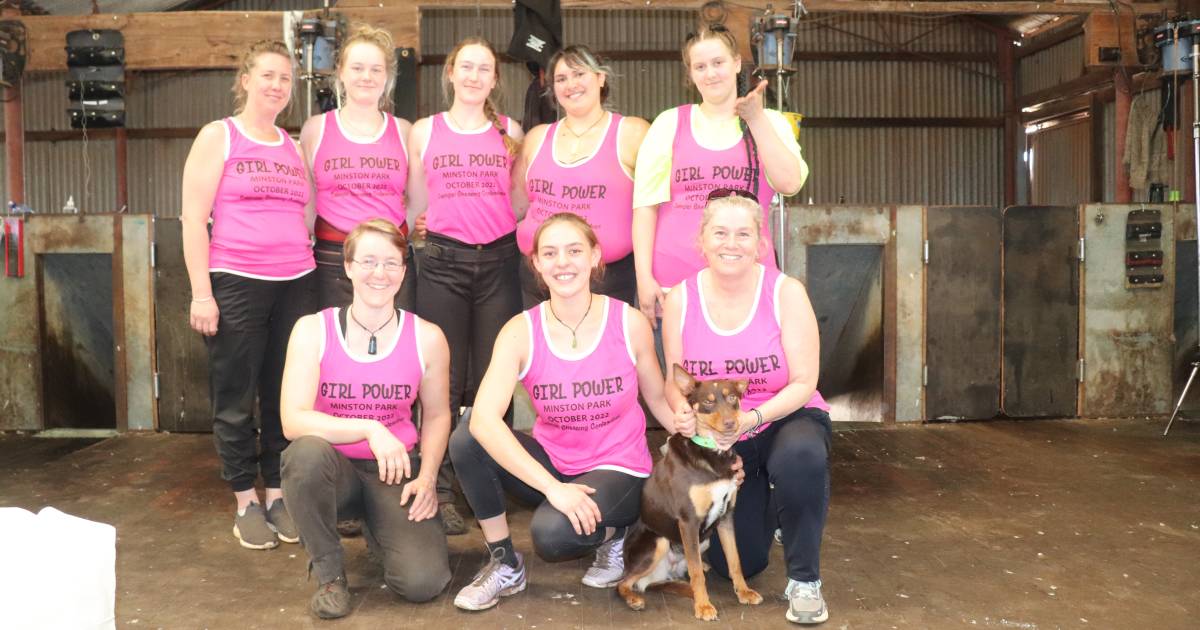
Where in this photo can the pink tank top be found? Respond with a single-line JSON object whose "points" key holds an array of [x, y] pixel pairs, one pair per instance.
{"points": [[468, 176], [695, 171], [360, 180], [258, 227], [381, 388], [588, 416], [753, 351], [596, 188]]}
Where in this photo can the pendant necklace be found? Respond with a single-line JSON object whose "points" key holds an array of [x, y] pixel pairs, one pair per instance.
{"points": [[574, 341], [579, 136], [371, 346]]}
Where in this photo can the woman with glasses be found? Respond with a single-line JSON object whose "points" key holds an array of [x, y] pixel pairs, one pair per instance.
{"points": [[352, 376], [582, 164], [250, 280], [738, 318], [726, 141], [460, 175], [583, 358], [359, 160]]}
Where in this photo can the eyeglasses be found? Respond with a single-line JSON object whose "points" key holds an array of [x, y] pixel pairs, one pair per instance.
{"points": [[370, 264], [721, 193]]}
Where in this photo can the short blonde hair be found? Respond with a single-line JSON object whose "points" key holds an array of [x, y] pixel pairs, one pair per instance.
{"points": [[382, 227]]}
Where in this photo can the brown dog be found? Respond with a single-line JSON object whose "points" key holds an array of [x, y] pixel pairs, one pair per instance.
{"points": [[691, 491]]}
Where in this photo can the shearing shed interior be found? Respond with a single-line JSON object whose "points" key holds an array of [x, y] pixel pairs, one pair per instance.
{"points": [[980, 273]]}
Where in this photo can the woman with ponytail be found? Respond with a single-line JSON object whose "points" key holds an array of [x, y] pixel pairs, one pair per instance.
{"points": [[726, 141], [460, 175]]}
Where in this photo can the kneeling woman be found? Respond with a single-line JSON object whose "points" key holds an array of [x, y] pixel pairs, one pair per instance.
{"points": [[737, 318], [583, 358], [351, 378]]}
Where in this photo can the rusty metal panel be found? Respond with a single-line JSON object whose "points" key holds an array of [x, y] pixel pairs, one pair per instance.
{"points": [[138, 304], [179, 99], [181, 359], [896, 89], [905, 165], [910, 313], [962, 313], [1052, 66], [1062, 167], [1127, 333], [270, 5], [830, 225], [1041, 311], [156, 175], [863, 32]]}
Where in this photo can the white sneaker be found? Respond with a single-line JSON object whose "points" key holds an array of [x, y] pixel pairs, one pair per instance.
{"points": [[494, 580], [609, 565], [805, 603]]}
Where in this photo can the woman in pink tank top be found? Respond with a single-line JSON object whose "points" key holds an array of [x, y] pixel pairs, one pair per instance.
{"points": [[675, 173], [583, 358], [739, 319], [359, 160], [250, 281], [460, 179], [352, 377], [582, 164]]}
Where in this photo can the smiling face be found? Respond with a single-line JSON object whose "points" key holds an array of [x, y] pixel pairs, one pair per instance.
{"points": [[268, 84], [565, 256], [363, 73], [730, 234], [472, 73], [375, 268], [713, 67], [577, 88]]}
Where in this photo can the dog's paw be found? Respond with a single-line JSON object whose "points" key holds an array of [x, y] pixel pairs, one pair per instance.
{"points": [[749, 596], [635, 601], [706, 612]]}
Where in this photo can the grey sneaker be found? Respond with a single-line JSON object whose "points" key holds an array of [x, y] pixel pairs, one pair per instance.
{"points": [[252, 529], [805, 603], [332, 599], [609, 565], [494, 580], [452, 522], [281, 522]]}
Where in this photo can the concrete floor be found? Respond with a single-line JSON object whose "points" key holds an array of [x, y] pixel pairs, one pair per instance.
{"points": [[1042, 524]]}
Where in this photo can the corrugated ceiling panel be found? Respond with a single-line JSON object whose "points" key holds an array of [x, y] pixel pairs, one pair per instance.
{"points": [[1048, 68]]}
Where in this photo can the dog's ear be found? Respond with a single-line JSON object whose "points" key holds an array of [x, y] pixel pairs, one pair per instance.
{"points": [[741, 385], [683, 380]]}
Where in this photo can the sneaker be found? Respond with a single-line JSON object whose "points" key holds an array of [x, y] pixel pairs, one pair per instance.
{"points": [[252, 529], [778, 536], [609, 565], [494, 580], [281, 522], [452, 522], [332, 599], [805, 603]]}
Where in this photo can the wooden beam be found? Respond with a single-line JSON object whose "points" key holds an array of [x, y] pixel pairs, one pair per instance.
{"points": [[1069, 29], [1007, 69], [14, 127], [1081, 85], [956, 7], [1096, 124], [865, 122], [192, 39], [1124, 98]]}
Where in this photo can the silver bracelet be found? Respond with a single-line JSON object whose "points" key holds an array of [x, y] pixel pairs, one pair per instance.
{"points": [[760, 419]]}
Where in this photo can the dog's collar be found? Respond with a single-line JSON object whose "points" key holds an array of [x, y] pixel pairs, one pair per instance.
{"points": [[703, 441]]}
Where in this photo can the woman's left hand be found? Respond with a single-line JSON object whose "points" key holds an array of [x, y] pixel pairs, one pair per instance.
{"points": [[750, 106], [738, 469], [423, 491]]}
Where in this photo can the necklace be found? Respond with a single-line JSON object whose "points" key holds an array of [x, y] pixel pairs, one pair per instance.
{"points": [[574, 341], [579, 136], [454, 120], [371, 347], [355, 128]]}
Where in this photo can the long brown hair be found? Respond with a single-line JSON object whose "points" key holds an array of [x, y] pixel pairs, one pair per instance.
{"points": [[489, 105]]}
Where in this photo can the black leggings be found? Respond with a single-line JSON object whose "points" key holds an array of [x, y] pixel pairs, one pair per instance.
{"points": [[484, 482], [792, 456]]}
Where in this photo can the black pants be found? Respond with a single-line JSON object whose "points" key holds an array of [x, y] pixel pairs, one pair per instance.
{"points": [[470, 291], [246, 358], [335, 289], [619, 281], [793, 455], [484, 482], [321, 485]]}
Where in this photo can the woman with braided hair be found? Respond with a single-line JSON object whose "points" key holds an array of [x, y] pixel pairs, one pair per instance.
{"points": [[460, 175], [726, 141]]}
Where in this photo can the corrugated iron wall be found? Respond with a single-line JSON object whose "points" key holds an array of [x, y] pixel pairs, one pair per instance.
{"points": [[1062, 163], [941, 165], [1052, 66]]}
